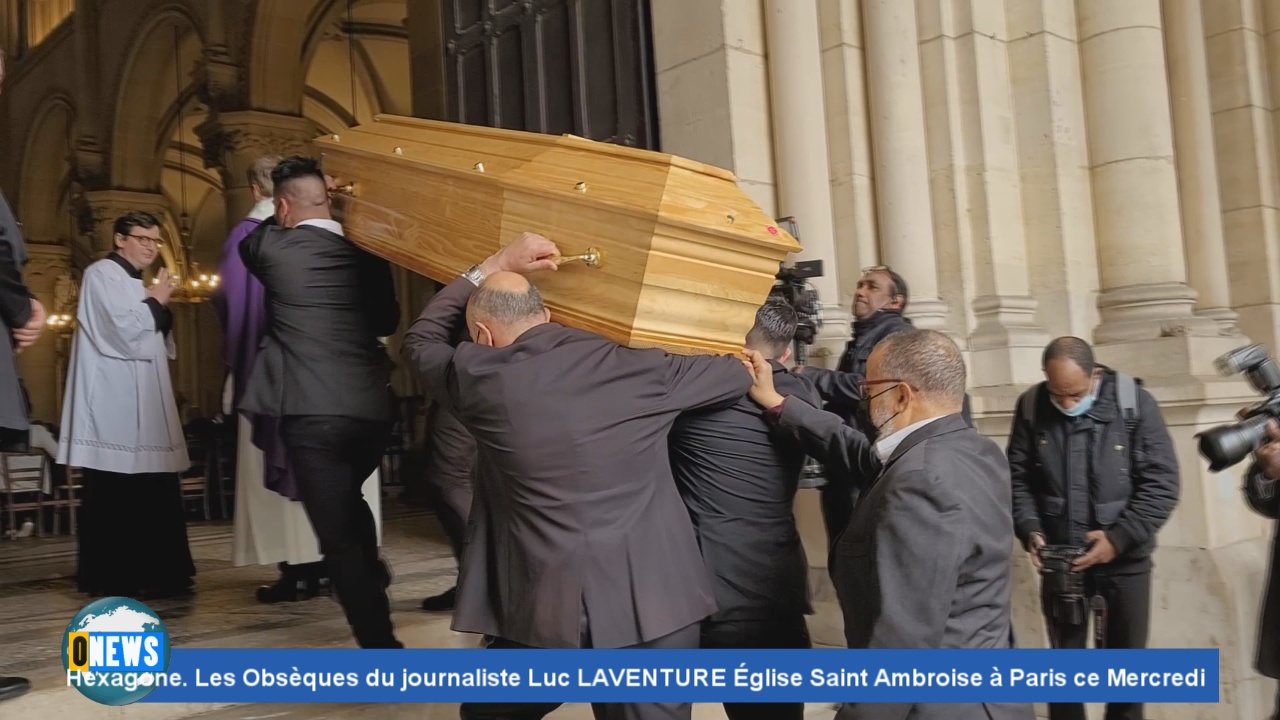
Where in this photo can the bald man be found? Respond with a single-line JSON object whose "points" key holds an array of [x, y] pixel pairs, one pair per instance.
{"points": [[578, 536], [322, 383]]}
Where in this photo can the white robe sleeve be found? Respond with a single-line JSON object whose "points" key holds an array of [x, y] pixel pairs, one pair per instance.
{"points": [[113, 318]]}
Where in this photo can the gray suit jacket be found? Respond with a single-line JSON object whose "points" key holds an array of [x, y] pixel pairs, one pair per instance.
{"points": [[328, 302], [15, 311], [575, 510], [925, 561]]}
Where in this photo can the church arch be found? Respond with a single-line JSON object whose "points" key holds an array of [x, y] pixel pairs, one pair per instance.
{"points": [[46, 171]]}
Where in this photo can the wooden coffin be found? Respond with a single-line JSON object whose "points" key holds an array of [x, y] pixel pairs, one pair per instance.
{"points": [[684, 256]]}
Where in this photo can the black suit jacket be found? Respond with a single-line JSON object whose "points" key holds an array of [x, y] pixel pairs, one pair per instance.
{"points": [[575, 510], [738, 479], [15, 312], [328, 303], [925, 561]]}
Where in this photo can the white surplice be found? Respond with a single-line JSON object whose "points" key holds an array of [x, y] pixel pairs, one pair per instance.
{"points": [[269, 527], [119, 413]]}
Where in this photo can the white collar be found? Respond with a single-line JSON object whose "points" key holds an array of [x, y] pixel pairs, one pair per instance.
{"points": [[332, 226], [263, 210], [885, 447]]}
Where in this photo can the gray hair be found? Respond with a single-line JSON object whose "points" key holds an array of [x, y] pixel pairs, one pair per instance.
{"points": [[774, 330], [506, 307], [260, 173], [928, 361]]}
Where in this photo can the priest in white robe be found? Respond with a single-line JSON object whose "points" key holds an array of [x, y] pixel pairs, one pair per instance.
{"points": [[120, 424], [270, 527]]}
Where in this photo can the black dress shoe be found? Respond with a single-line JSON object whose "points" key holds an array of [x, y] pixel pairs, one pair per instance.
{"points": [[286, 589], [12, 687], [440, 603]]}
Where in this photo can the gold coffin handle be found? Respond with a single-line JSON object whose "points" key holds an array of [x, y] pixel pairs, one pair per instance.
{"points": [[593, 257], [348, 189]]}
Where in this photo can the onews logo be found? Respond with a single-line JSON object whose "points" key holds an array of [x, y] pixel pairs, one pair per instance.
{"points": [[116, 651]]}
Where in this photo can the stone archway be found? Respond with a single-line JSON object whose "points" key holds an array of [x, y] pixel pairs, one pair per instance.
{"points": [[45, 170], [148, 87]]}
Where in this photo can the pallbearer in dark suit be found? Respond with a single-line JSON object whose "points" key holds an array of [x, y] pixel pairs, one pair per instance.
{"points": [[739, 485], [924, 562], [322, 381], [577, 536]]}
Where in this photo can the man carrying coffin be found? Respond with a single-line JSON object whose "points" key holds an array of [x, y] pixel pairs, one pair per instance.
{"points": [[924, 562], [322, 381], [577, 537], [739, 483], [120, 424], [271, 525]]}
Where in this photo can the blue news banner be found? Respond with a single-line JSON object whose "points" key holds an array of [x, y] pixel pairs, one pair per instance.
{"points": [[922, 676]]}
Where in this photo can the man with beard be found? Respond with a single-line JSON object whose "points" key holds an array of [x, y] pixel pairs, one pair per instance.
{"points": [[924, 562]]}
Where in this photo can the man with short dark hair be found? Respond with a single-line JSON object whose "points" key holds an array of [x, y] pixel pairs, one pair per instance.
{"points": [[739, 484], [577, 535], [120, 423], [1093, 471], [924, 562], [322, 381]]}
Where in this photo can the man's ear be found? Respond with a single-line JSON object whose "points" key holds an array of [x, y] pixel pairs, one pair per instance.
{"points": [[117, 242], [482, 335], [786, 355], [546, 314], [896, 302]]}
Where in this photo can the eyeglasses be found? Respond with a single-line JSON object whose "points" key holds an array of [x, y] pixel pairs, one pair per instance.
{"points": [[146, 241], [864, 387]]}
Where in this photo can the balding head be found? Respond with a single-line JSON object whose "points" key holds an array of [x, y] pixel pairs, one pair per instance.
{"points": [[913, 376], [504, 306], [299, 191]]}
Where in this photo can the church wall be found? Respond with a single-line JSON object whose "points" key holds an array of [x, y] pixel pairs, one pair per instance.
{"points": [[1019, 126]]}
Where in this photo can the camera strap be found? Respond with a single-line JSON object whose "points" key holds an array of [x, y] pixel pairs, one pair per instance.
{"points": [[1126, 398]]}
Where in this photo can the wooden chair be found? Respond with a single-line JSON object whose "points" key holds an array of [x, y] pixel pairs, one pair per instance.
{"points": [[25, 481], [70, 495], [195, 481]]}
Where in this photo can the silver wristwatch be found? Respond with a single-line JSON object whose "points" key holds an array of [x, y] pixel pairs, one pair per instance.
{"points": [[474, 274]]}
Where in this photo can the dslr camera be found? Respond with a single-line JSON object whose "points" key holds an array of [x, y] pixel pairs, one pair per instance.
{"points": [[1227, 445], [1063, 583]]}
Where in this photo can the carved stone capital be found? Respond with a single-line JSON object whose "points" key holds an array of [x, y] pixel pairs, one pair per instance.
{"points": [[45, 263], [218, 80], [234, 140]]}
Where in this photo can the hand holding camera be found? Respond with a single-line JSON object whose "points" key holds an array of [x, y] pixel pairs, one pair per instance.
{"points": [[1268, 455]]}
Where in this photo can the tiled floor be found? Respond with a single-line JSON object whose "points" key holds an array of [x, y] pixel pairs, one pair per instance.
{"points": [[37, 600]]}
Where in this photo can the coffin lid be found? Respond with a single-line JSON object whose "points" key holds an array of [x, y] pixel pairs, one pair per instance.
{"points": [[687, 257]]}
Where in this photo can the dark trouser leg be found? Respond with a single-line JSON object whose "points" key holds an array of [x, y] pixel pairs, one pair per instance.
{"points": [[682, 639], [785, 632], [451, 457], [1128, 624], [331, 458], [506, 711], [1064, 636]]}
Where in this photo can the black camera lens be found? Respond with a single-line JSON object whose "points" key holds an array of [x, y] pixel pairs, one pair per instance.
{"points": [[1229, 444]]}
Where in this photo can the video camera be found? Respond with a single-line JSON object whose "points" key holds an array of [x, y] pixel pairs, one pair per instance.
{"points": [[1063, 584], [1227, 445], [791, 285]]}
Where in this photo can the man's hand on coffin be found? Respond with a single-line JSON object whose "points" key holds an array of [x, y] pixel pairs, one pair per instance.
{"points": [[525, 254], [762, 390], [26, 336], [162, 288]]}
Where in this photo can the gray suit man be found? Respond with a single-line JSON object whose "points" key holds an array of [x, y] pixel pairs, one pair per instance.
{"points": [[577, 535], [924, 562]]}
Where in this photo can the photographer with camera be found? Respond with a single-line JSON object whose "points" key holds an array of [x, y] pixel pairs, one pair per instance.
{"points": [[1262, 492], [1094, 478]]}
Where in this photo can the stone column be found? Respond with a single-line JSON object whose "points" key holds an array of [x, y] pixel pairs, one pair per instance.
{"points": [[234, 140], [1197, 171], [1135, 189], [800, 148], [898, 145], [90, 159]]}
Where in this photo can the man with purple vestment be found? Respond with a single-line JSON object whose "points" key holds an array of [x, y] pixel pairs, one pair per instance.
{"points": [[271, 525]]}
